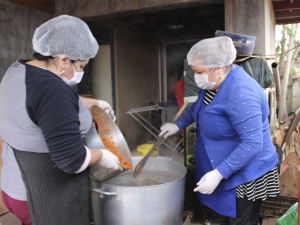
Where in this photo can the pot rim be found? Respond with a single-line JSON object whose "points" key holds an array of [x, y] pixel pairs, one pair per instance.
{"points": [[139, 187], [157, 185]]}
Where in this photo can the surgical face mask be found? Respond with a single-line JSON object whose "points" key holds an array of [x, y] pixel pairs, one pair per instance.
{"points": [[75, 80], [202, 81]]}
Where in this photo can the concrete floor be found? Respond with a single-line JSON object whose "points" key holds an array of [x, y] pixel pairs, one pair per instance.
{"points": [[11, 219]]}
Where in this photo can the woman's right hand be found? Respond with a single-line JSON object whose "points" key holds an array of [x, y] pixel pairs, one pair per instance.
{"points": [[168, 129], [109, 160]]}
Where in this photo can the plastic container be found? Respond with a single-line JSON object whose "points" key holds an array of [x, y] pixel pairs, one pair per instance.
{"points": [[290, 217], [277, 206], [142, 150], [244, 44]]}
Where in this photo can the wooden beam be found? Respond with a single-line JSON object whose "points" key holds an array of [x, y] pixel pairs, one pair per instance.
{"points": [[291, 159], [204, 13], [156, 18], [213, 20], [138, 20], [105, 13], [287, 21], [289, 182], [287, 14], [47, 6], [291, 2], [283, 5]]}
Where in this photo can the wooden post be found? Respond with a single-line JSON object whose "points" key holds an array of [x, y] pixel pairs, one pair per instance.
{"points": [[289, 181]]}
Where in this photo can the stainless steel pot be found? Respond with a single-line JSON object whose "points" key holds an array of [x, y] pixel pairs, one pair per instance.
{"points": [[155, 198]]}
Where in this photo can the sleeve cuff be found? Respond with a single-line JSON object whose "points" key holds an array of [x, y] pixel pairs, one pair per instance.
{"points": [[225, 170], [180, 124], [86, 161]]}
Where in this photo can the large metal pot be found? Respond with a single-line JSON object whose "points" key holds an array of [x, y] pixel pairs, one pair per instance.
{"points": [[155, 198]]}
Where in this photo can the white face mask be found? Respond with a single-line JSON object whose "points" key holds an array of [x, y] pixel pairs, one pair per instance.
{"points": [[75, 80], [202, 81]]}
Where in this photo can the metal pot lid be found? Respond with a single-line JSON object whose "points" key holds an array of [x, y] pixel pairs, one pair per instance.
{"points": [[106, 129]]}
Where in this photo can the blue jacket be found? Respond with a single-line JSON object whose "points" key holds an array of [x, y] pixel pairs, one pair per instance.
{"points": [[235, 130]]}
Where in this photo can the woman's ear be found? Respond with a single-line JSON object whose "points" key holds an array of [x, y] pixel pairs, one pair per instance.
{"points": [[219, 67], [63, 62], [219, 64], [219, 70]]}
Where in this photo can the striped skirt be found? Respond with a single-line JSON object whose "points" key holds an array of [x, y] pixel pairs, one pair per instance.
{"points": [[266, 185]]}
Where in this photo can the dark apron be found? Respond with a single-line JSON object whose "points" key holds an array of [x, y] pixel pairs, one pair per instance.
{"points": [[53, 196]]}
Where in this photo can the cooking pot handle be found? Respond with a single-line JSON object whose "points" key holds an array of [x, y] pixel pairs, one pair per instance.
{"points": [[104, 192], [112, 116]]}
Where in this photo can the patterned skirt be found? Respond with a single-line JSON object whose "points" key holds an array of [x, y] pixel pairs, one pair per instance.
{"points": [[266, 185]]}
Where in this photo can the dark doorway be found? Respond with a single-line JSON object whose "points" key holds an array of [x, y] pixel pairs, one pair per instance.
{"points": [[175, 54]]}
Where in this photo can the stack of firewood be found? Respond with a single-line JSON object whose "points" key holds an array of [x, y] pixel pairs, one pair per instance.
{"points": [[287, 139]]}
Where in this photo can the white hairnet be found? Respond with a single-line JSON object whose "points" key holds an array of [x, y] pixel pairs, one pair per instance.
{"points": [[65, 36], [212, 52]]}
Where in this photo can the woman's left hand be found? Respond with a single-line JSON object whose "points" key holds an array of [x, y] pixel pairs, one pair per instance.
{"points": [[209, 182]]}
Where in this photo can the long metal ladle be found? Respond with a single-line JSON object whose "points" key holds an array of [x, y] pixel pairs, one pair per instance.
{"points": [[142, 163]]}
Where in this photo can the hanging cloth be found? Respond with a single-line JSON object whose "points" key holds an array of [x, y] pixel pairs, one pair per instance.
{"points": [[179, 92], [259, 69]]}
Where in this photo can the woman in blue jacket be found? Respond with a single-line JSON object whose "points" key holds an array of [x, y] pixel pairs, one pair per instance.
{"points": [[236, 161]]}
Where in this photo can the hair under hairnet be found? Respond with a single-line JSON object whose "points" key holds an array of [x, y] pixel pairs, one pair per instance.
{"points": [[65, 36], [212, 52]]}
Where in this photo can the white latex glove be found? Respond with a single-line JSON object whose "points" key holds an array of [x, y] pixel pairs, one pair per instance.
{"points": [[209, 182], [109, 160], [106, 106], [169, 129]]}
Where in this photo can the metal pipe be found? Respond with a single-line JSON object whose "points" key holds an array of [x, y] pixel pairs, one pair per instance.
{"points": [[149, 108], [182, 150], [277, 79], [165, 84], [148, 123], [159, 74], [148, 129], [143, 109]]}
